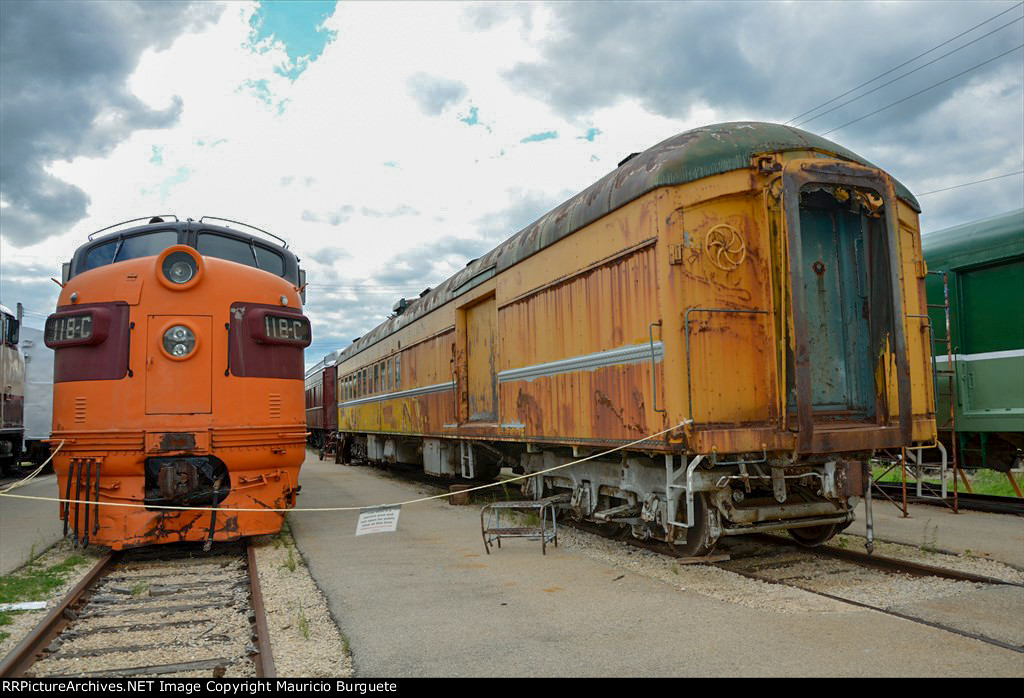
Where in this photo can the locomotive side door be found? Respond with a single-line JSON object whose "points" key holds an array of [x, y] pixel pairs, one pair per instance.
{"points": [[179, 384]]}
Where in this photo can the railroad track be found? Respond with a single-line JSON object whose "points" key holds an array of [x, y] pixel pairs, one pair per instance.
{"points": [[778, 560], [167, 611], [987, 503]]}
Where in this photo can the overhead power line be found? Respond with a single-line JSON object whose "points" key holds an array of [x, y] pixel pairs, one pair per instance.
{"points": [[967, 184], [921, 55], [910, 72], [941, 82]]}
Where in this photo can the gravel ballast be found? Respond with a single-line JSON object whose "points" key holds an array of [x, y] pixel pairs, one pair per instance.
{"points": [[306, 641]]}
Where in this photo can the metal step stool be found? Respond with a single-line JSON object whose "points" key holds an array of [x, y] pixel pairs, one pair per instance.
{"points": [[492, 529]]}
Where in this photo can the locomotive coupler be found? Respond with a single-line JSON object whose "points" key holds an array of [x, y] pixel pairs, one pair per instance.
{"points": [[185, 480]]}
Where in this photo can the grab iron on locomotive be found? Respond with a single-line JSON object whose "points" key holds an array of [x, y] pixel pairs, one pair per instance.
{"points": [[178, 363], [754, 285]]}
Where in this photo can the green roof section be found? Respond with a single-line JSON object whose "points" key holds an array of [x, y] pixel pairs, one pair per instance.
{"points": [[719, 148], [978, 242]]}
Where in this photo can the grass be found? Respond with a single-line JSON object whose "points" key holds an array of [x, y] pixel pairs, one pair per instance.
{"points": [[33, 582], [139, 588], [303, 623], [284, 535], [983, 481]]}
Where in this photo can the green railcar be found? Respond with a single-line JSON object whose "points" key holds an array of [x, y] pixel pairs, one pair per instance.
{"points": [[985, 265]]}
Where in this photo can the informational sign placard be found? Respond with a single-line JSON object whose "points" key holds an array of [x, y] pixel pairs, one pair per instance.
{"points": [[382, 520]]}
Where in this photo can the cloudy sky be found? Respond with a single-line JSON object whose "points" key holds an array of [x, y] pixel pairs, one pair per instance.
{"points": [[391, 143]]}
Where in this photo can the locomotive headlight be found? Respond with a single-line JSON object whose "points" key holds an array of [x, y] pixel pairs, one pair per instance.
{"points": [[180, 272], [179, 341], [179, 268]]}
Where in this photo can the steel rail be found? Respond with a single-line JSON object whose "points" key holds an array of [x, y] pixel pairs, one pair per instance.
{"points": [[25, 653], [889, 564], [888, 612], [264, 658]]}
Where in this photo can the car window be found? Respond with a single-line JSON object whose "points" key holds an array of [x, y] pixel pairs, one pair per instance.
{"points": [[222, 247], [270, 261], [99, 256], [147, 245]]}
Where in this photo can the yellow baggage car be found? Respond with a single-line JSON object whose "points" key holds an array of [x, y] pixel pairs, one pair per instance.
{"points": [[754, 289]]}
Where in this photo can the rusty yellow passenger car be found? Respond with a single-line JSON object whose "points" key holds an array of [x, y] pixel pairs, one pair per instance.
{"points": [[754, 289]]}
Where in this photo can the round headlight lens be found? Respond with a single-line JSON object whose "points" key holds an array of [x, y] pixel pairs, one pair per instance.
{"points": [[180, 272], [179, 341], [179, 267]]}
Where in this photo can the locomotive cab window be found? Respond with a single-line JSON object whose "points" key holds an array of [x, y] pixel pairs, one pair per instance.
{"points": [[268, 260], [223, 247], [134, 247], [146, 245], [9, 331], [240, 251]]}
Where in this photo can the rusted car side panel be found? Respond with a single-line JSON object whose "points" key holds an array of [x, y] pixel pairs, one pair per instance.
{"points": [[918, 330], [718, 283], [580, 355]]}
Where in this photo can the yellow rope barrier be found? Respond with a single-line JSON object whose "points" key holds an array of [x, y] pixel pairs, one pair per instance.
{"points": [[31, 476], [6, 493]]}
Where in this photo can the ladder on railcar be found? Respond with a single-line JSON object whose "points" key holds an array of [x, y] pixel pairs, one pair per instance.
{"points": [[912, 458]]}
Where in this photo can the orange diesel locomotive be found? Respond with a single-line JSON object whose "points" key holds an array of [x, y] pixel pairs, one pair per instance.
{"points": [[178, 374]]}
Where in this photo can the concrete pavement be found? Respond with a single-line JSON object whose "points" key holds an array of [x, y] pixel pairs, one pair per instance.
{"points": [[427, 601], [28, 525]]}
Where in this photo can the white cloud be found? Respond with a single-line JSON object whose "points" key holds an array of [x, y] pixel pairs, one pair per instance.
{"points": [[347, 136]]}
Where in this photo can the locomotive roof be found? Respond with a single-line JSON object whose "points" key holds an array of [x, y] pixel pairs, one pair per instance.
{"points": [[686, 157], [183, 225], [186, 230], [986, 240]]}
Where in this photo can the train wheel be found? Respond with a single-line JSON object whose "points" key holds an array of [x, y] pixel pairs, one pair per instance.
{"points": [[698, 539], [813, 535]]}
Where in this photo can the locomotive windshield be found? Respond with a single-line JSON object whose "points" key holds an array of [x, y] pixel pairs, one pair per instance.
{"points": [[121, 249], [240, 251]]}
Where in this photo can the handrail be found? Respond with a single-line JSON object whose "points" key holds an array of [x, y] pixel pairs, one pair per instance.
{"points": [[131, 220], [228, 220]]}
